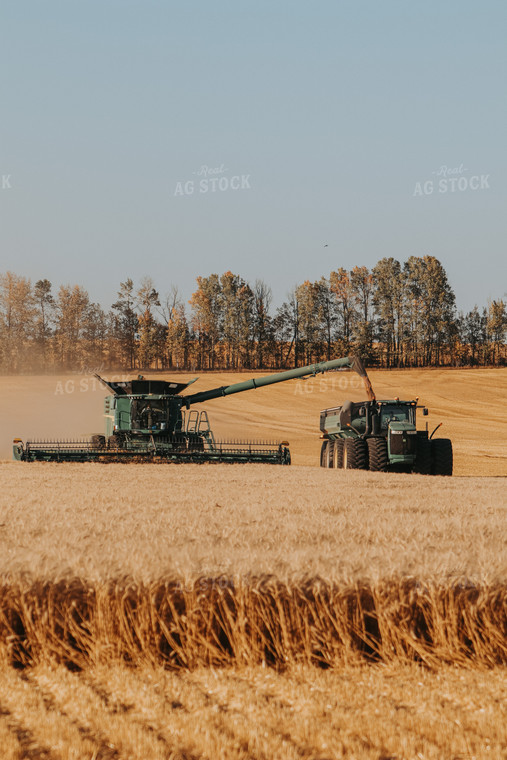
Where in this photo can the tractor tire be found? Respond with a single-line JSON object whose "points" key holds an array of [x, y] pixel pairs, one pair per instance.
{"points": [[98, 441], [114, 442], [441, 455], [323, 453], [355, 454], [423, 458], [378, 457], [337, 455]]}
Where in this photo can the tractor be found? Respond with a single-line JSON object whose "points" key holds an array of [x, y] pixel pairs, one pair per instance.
{"points": [[382, 435]]}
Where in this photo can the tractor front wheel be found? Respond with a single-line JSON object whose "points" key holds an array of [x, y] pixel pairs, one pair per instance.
{"points": [[423, 458], [98, 441], [114, 442], [377, 454], [323, 453], [441, 455], [355, 454]]}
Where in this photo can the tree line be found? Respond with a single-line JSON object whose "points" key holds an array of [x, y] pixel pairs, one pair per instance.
{"points": [[394, 315]]}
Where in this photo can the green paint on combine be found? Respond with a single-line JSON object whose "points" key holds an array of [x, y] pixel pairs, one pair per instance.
{"points": [[149, 420]]}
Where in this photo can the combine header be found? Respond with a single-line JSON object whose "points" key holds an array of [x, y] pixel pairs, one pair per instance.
{"points": [[148, 420]]}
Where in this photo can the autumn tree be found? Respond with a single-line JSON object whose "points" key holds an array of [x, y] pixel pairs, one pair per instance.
{"points": [[310, 334], [263, 332], [497, 327], [96, 333], [177, 333], [431, 305], [361, 280], [341, 286], [236, 302], [389, 303], [206, 303], [326, 313], [44, 305], [177, 338], [126, 323], [16, 322], [286, 325], [150, 334], [72, 305]]}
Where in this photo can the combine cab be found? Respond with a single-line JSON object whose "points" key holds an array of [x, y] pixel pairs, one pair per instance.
{"points": [[149, 420], [381, 436]]}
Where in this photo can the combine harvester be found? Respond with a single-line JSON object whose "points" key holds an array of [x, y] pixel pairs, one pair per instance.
{"points": [[148, 420]]}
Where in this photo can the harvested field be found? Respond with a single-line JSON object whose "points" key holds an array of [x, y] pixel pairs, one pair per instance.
{"points": [[147, 714]]}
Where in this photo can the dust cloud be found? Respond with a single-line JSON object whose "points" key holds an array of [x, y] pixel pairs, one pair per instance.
{"points": [[49, 408]]}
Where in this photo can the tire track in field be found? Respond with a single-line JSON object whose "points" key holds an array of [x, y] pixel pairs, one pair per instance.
{"points": [[216, 730], [110, 722], [101, 749], [116, 705], [292, 715], [25, 738], [26, 741], [250, 728], [241, 727], [194, 713], [389, 709], [279, 714], [40, 732]]}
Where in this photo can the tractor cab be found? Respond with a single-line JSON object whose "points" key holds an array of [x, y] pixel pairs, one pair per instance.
{"points": [[395, 412]]}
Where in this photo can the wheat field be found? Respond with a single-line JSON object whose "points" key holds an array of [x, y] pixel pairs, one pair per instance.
{"points": [[254, 611]]}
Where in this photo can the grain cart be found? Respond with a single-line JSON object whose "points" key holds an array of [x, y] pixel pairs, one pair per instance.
{"points": [[382, 435], [148, 420]]}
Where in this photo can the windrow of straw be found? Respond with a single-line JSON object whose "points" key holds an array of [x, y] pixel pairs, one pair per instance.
{"points": [[246, 621]]}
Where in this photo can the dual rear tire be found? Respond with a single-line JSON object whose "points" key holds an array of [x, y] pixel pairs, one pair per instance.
{"points": [[348, 453], [377, 454], [434, 457]]}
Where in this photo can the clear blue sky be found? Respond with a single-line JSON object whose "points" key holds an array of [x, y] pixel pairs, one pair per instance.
{"points": [[335, 113]]}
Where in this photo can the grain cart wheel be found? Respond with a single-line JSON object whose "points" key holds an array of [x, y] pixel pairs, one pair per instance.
{"points": [[323, 453], [98, 441], [423, 458], [441, 454], [377, 454], [329, 454], [338, 453], [355, 454]]}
